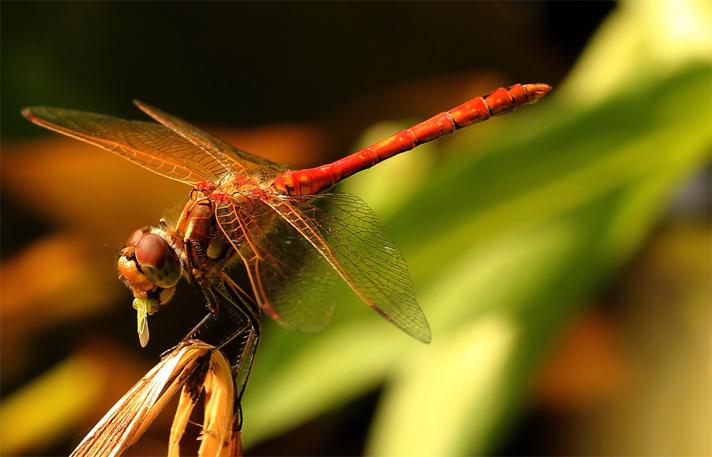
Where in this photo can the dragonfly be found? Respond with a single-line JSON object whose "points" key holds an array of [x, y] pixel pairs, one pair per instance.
{"points": [[294, 236]]}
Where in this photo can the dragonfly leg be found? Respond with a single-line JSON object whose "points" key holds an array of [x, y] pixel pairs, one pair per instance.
{"points": [[248, 331], [199, 326], [232, 307], [236, 319], [192, 334], [242, 367]]}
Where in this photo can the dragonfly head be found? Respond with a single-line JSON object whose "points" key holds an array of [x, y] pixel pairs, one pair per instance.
{"points": [[150, 267]]}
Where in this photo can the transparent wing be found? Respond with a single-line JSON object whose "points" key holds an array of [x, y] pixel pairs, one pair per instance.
{"points": [[149, 145], [352, 239], [338, 231], [225, 155], [291, 281]]}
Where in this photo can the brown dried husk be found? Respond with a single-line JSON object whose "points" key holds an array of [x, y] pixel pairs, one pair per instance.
{"points": [[185, 367]]}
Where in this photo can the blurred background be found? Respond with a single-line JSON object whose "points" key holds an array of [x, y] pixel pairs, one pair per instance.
{"points": [[561, 253]]}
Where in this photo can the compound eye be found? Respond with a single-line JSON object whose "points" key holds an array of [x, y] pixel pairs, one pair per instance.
{"points": [[158, 261], [136, 236]]}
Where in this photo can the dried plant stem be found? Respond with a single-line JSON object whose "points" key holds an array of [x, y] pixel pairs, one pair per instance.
{"points": [[194, 366]]}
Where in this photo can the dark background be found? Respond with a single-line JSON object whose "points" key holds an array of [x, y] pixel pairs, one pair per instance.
{"points": [[252, 63]]}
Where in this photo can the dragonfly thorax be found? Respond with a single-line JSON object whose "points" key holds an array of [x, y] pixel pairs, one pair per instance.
{"points": [[204, 244]]}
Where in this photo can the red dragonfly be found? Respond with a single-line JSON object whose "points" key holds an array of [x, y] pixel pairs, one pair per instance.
{"points": [[292, 235]]}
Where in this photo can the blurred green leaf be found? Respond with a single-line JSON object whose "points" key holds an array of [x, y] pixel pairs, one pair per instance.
{"points": [[640, 41], [504, 244], [58, 388]]}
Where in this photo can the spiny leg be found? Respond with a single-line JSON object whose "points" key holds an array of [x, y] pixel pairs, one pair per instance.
{"points": [[247, 329], [213, 315], [243, 366]]}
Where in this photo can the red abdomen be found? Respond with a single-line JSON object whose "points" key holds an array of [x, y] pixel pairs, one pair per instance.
{"points": [[497, 102]]}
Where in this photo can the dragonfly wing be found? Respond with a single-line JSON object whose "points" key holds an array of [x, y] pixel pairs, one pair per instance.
{"points": [[291, 281], [149, 145], [351, 238], [225, 156]]}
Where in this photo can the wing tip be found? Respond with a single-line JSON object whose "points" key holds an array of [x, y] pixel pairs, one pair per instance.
{"points": [[143, 106], [41, 115], [420, 329], [37, 115], [28, 113], [423, 334], [149, 110]]}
